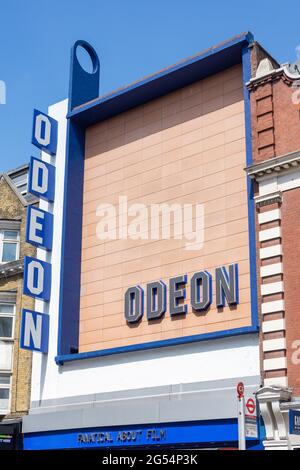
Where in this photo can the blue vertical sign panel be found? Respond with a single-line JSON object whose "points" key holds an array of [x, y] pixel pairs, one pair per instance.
{"points": [[34, 331], [37, 278], [39, 232], [39, 228], [41, 179], [44, 132]]}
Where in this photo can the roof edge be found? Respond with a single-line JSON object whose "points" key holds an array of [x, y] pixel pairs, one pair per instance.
{"points": [[14, 189], [165, 80]]}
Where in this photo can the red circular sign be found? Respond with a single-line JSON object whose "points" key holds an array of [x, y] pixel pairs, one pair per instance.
{"points": [[250, 405], [240, 389]]}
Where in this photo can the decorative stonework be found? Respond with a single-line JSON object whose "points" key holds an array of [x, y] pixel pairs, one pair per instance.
{"points": [[270, 400], [273, 166], [11, 269], [272, 290]]}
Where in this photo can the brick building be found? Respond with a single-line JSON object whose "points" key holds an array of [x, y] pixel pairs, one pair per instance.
{"points": [[15, 363], [275, 116]]}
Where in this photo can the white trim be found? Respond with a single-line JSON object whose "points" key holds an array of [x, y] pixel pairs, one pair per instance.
{"points": [[271, 307], [275, 363], [269, 198], [283, 181], [277, 344], [269, 234], [272, 288], [269, 216], [273, 325], [270, 251], [277, 381], [289, 180], [271, 269], [267, 185]]}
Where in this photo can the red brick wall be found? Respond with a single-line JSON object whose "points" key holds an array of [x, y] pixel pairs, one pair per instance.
{"points": [[286, 119], [275, 120], [290, 213], [276, 132]]}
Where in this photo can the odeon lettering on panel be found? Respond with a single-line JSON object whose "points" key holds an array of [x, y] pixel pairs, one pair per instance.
{"points": [[39, 232], [158, 242]]}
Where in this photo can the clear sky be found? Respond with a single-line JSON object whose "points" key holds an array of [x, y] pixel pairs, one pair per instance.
{"points": [[132, 38]]}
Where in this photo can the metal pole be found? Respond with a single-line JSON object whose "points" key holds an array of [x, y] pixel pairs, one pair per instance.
{"points": [[242, 423]]}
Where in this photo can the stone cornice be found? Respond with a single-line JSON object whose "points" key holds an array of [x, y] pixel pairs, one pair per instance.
{"points": [[283, 73], [268, 199], [11, 269], [274, 165]]}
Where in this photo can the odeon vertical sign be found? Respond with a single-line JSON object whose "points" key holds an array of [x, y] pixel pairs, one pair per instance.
{"points": [[39, 232]]}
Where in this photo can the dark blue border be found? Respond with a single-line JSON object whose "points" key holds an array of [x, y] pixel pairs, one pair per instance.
{"points": [[212, 61], [69, 295], [246, 55], [60, 360]]}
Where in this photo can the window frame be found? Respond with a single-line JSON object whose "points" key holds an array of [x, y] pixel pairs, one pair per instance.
{"points": [[9, 315], [21, 182], [4, 411], [14, 242]]}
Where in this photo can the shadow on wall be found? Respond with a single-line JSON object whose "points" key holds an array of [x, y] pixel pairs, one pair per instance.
{"points": [[160, 115]]}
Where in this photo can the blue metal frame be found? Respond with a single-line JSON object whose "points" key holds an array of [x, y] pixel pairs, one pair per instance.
{"points": [[211, 61], [82, 115], [246, 61]]}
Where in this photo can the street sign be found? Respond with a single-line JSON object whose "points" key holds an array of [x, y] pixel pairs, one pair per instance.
{"points": [[247, 416], [294, 416], [251, 418], [250, 405], [251, 426], [240, 389], [241, 415]]}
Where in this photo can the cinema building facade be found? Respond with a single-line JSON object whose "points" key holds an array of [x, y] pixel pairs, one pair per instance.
{"points": [[162, 283]]}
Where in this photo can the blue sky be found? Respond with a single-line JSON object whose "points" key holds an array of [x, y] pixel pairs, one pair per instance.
{"points": [[132, 38]]}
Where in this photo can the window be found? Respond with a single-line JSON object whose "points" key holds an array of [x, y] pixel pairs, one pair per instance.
{"points": [[9, 245], [7, 315], [5, 380], [20, 181]]}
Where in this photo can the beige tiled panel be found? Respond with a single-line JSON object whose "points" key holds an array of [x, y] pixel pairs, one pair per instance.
{"points": [[186, 147]]}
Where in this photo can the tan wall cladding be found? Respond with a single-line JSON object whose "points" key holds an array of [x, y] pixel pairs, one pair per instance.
{"points": [[186, 147]]}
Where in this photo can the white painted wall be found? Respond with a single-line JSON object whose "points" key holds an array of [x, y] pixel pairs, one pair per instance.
{"points": [[283, 181], [6, 354], [218, 359]]}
